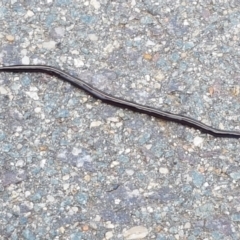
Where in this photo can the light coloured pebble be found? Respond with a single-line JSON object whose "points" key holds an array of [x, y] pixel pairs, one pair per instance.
{"points": [[163, 170], [76, 151], [66, 177], [187, 225], [113, 119], [109, 225], [3, 90], [114, 163], [108, 235], [49, 45], [84, 99], [128, 150], [159, 76], [33, 89], [33, 95], [198, 141], [29, 14], [74, 209], [133, 3], [95, 4], [10, 38], [87, 178], [117, 201], [137, 232], [42, 163], [93, 37], [75, 52], [78, 63], [19, 129], [119, 124], [95, 124], [24, 52], [60, 31], [93, 225], [129, 172], [148, 146], [29, 204], [109, 48], [20, 163], [37, 110], [97, 218], [89, 106], [25, 60], [19, 146], [85, 228], [157, 85], [50, 198], [150, 43], [27, 194], [61, 230]]}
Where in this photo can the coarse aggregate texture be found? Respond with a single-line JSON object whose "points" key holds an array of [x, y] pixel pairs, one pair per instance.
{"points": [[74, 168]]}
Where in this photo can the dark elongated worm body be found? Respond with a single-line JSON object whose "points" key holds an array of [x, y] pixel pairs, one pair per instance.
{"points": [[121, 102]]}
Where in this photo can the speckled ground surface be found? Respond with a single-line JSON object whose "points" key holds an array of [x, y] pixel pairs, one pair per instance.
{"points": [[74, 168]]}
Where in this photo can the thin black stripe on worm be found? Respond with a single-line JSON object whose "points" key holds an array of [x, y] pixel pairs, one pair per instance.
{"points": [[121, 102]]}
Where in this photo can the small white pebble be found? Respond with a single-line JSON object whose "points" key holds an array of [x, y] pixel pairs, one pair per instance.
{"points": [[25, 60], [19, 146], [76, 151], [27, 194], [20, 163], [108, 235], [33, 95], [78, 63], [75, 209], [29, 14], [49, 45], [109, 225], [129, 172], [114, 163], [163, 170], [187, 225], [50, 198], [128, 150], [150, 209], [42, 163], [148, 146], [97, 218], [93, 37], [198, 141], [75, 52], [109, 48], [137, 232], [3, 90], [33, 89], [113, 119], [19, 129], [117, 201], [37, 110], [95, 124], [133, 3], [66, 177], [95, 4]]}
